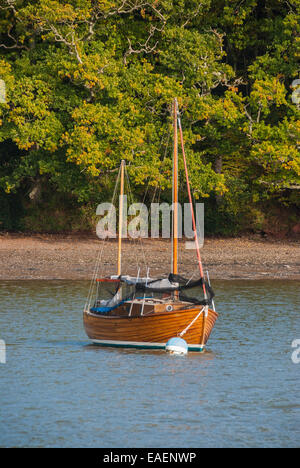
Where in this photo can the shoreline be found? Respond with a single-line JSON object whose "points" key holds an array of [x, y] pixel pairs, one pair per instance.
{"points": [[72, 257]]}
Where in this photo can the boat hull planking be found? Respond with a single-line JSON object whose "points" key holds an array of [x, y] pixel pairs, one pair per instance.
{"points": [[150, 331]]}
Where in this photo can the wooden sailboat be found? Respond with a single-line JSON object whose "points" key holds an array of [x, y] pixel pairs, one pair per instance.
{"points": [[146, 313]]}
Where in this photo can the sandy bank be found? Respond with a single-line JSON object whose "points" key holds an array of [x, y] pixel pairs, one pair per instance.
{"points": [[73, 257]]}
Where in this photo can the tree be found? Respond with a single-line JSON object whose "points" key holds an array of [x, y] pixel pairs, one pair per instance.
{"points": [[91, 82]]}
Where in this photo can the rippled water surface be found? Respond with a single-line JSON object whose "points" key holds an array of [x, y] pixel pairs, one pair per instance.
{"points": [[57, 390]]}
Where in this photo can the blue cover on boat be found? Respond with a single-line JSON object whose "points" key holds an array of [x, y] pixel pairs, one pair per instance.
{"points": [[105, 310]]}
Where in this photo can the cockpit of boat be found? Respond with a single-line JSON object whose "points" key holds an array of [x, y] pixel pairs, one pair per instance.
{"points": [[126, 296]]}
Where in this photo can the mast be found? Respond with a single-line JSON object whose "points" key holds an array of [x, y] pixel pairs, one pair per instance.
{"points": [[175, 195], [191, 206], [121, 217]]}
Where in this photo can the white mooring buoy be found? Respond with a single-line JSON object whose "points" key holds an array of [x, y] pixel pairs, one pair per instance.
{"points": [[177, 346]]}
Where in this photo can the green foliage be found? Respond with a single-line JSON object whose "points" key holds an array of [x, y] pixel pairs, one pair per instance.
{"points": [[91, 82]]}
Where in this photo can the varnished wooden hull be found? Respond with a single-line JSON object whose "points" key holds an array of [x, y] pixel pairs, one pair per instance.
{"points": [[150, 331]]}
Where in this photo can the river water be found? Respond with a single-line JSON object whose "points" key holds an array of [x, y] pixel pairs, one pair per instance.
{"points": [[57, 390]]}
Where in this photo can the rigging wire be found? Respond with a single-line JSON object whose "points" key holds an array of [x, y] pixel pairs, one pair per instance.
{"points": [[137, 242], [100, 253], [165, 141], [191, 202]]}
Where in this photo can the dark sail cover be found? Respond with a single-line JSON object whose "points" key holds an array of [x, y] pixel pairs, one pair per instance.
{"points": [[189, 291]]}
